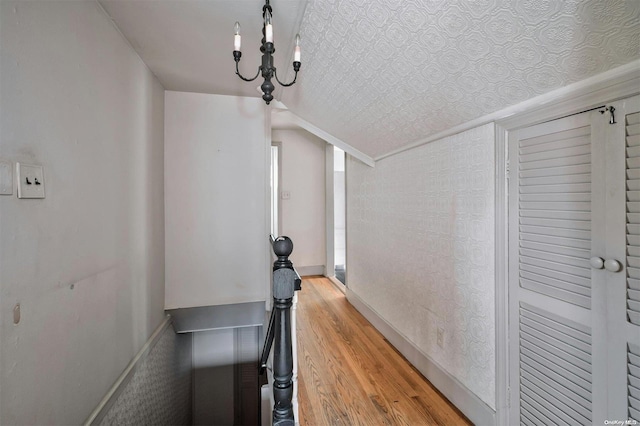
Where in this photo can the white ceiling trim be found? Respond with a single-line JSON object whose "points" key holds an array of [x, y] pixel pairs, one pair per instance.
{"points": [[616, 83], [294, 119]]}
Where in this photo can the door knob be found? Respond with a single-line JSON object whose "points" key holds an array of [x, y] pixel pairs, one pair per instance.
{"points": [[612, 265], [596, 262]]}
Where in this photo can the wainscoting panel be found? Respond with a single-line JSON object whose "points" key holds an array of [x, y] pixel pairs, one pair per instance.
{"points": [[158, 389]]}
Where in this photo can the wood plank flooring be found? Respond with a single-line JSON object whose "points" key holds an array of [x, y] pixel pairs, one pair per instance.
{"points": [[348, 374]]}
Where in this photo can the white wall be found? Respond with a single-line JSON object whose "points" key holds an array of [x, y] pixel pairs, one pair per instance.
{"points": [[421, 250], [216, 200], [303, 215], [86, 263]]}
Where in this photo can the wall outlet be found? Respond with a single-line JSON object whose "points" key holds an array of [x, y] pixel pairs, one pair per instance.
{"points": [[440, 338], [30, 181], [285, 195]]}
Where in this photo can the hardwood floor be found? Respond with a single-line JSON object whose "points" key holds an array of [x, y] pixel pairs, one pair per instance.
{"points": [[350, 375]]}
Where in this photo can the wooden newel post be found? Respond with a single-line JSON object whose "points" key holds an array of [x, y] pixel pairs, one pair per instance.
{"points": [[283, 289]]}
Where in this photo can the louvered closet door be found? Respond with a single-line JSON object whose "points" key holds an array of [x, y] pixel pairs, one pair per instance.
{"points": [[574, 269], [621, 289], [555, 219]]}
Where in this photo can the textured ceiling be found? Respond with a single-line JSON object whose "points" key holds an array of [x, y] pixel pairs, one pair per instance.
{"points": [[380, 74]]}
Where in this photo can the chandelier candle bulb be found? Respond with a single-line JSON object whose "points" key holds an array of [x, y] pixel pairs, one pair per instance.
{"points": [[236, 38], [268, 33], [296, 52]]}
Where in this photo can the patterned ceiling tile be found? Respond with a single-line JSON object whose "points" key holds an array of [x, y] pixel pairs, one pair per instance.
{"points": [[560, 35], [433, 40], [474, 45], [537, 11], [479, 8], [503, 27], [381, 74], [523, 55]]}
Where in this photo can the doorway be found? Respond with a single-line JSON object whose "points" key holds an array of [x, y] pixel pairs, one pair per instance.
{"points": [[275, 178], [339, 215]]}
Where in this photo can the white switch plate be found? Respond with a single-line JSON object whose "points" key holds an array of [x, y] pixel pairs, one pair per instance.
{"points": [[6, 177], [30, 181]]}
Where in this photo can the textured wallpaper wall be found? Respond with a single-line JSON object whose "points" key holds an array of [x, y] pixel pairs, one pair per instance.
{"points": [[420, 250], [159, 393]]}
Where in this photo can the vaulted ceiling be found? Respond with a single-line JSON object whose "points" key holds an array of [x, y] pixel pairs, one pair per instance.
{"points": [[381, 74]]}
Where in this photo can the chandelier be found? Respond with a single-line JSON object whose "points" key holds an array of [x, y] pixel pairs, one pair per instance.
{"points": [[267, 69]]}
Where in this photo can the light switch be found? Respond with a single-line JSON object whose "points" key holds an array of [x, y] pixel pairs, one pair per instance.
{"points": [[30, 181], [285, 195], [6, 177]]}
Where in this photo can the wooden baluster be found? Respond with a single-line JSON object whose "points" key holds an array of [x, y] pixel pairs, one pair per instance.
{"points": [[284, 278]]}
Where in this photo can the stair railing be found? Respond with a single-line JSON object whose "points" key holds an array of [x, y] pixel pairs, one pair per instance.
{"points": [[279, 334]]}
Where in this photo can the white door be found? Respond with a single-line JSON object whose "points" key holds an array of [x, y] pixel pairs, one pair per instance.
{"points": [[621, 274], [568, 353]]}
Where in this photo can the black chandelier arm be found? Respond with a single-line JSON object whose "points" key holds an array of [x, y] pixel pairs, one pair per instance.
{"points": [[244, 78], [285, 84]]}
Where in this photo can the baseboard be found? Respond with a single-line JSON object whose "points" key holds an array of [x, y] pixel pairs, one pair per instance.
{"points": [[118, 387], [459, 395], [305, 271]]}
